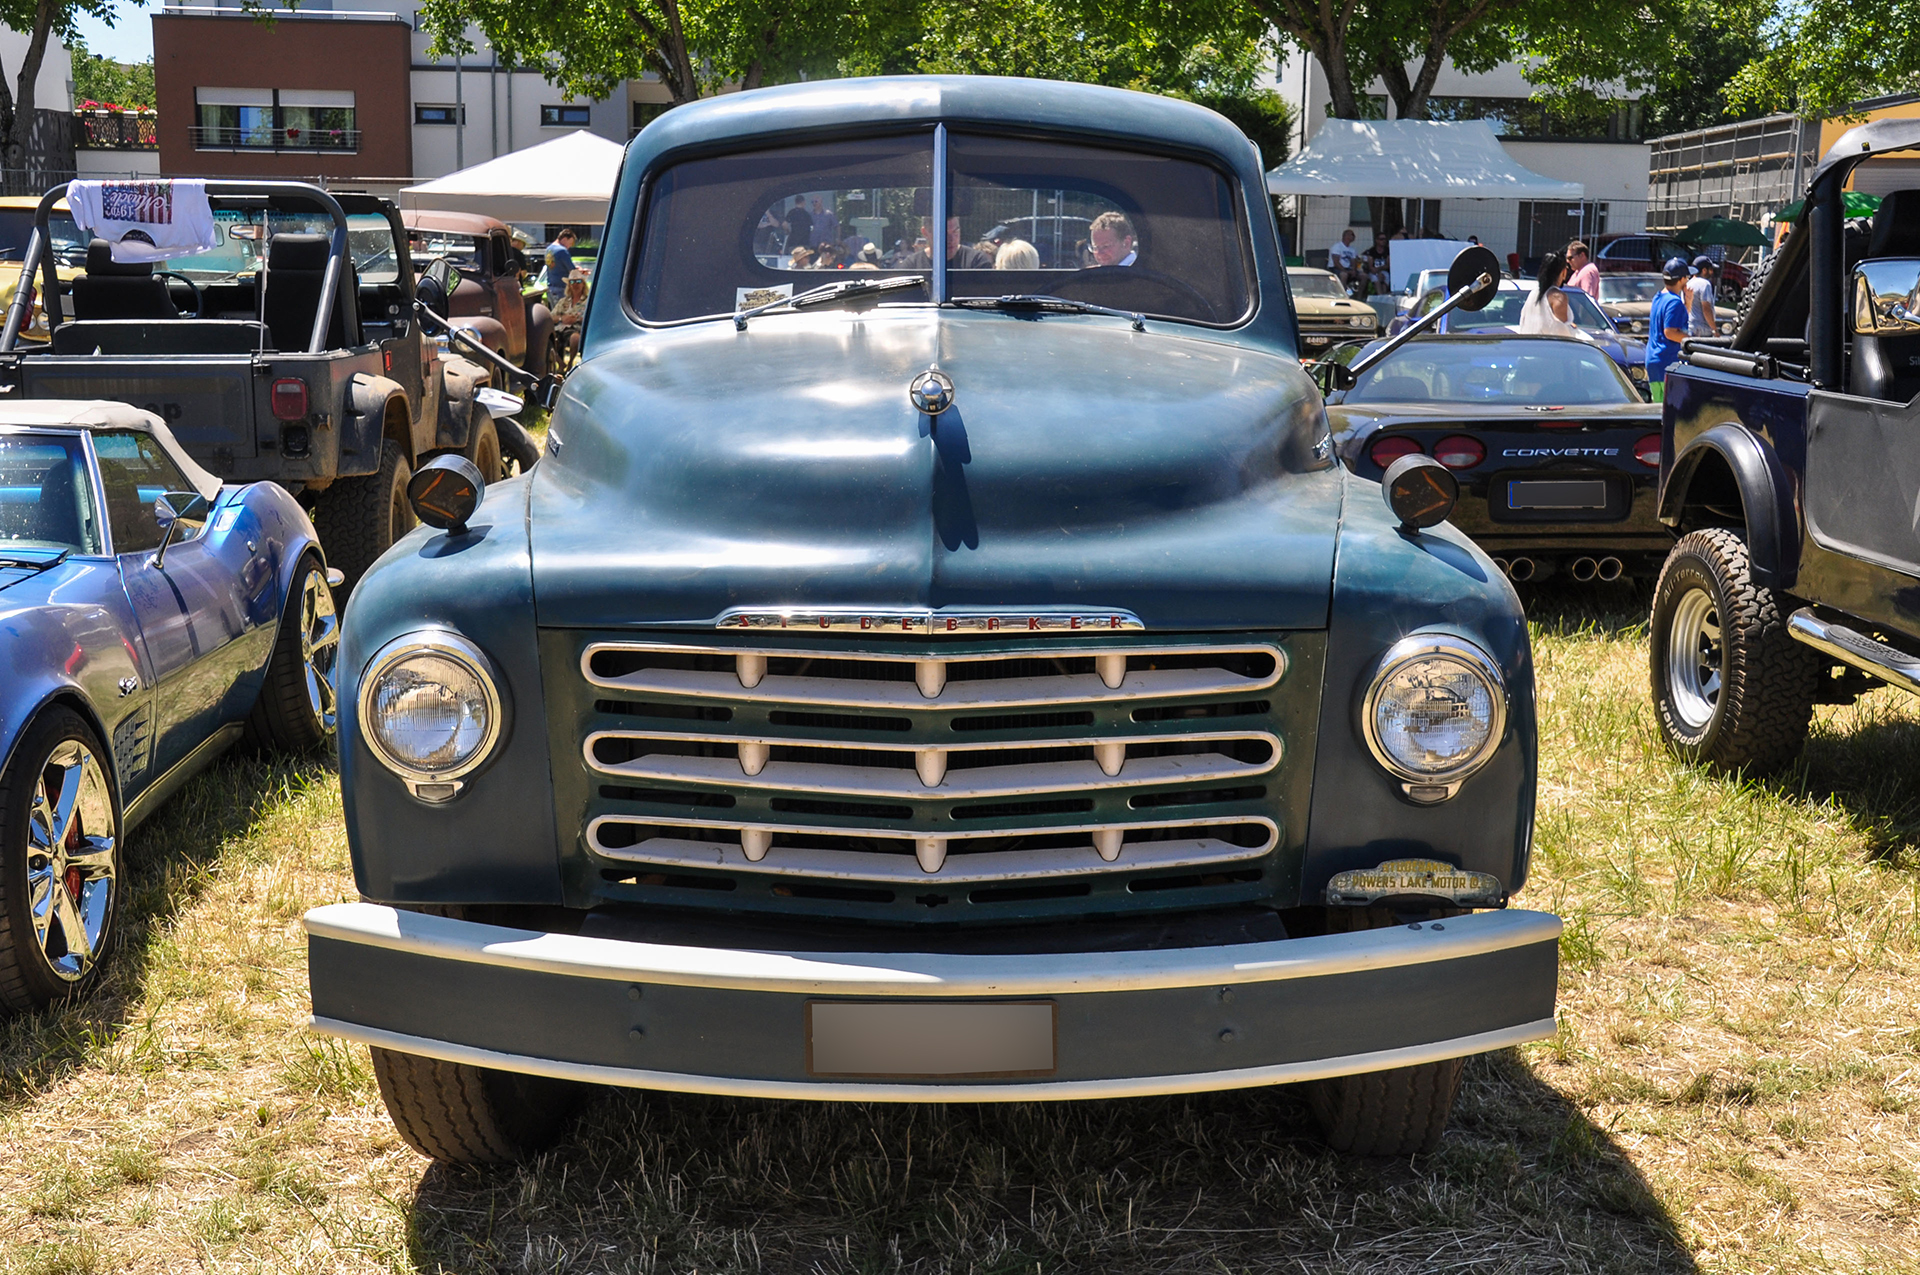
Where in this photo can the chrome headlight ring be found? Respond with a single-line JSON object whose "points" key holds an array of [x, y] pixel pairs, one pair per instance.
{"points": [[1427, 786], [432, 782]]}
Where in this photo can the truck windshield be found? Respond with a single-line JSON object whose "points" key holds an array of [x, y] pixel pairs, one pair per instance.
{"points": [[243, 240], [1128, 229], [1524, 370]]}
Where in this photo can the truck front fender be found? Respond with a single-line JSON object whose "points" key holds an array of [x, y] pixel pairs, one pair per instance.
{"points": [[459, 380], [1726, 465]]}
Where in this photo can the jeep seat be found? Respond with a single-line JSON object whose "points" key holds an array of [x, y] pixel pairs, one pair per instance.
{"points": [[119, 290], [296, 272], [1886, 365]]}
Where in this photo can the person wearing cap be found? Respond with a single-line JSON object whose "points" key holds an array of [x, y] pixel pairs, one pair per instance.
{"points": [[1700, 317], [1667, 326]]}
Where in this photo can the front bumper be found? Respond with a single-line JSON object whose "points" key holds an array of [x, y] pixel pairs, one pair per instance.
{"points": [[730, 1021]]}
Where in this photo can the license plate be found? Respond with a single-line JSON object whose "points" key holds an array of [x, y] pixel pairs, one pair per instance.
{"points": [[1540, 493], [924, 1039], [1318, 340]]}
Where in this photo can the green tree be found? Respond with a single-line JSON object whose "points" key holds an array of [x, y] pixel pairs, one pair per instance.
{"points": [[1821, 56], [1693, 90], [99, 79], [39, 21]]}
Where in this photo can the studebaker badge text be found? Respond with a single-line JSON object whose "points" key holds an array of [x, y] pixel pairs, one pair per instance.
{"points": [[929, 622], [1560, 451]]}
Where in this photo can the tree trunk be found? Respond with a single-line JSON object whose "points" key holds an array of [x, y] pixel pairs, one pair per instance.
{"points": [[666, 49], [1320, 27], [20, 130]]}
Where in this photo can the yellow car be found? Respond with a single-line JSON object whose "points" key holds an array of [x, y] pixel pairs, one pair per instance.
{"points": [[1328, 317], [69, 253]]}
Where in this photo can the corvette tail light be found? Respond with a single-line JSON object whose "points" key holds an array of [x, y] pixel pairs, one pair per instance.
{"points": [[289, 398], [1647, 451], [1457, 451], [1391, 448]]}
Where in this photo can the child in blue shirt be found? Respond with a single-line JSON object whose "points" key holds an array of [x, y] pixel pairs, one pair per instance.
{"points": [[1666, 326]]}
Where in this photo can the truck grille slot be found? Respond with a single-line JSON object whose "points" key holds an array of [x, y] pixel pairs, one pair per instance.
{"points": [[946, 678], [882, 854], [915, 764], [906, 770]]}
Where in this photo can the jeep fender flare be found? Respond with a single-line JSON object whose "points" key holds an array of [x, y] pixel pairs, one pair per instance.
{"points": [[460, 380], [1765, 494], [377, 409]]}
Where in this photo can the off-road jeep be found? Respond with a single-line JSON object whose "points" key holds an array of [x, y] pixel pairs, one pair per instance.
{"points": [[1787, 459], [291, 352]]}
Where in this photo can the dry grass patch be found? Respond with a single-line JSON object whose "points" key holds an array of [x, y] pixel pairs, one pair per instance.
{"points": [[1732, 1088]]}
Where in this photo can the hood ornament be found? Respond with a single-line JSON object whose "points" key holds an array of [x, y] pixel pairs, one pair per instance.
{"points": [[931, 391]]}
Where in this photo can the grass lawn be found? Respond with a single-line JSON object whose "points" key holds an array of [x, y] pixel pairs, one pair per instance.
{"points": [[1734, 1087]]}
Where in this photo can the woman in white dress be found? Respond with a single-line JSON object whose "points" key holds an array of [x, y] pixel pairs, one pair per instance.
{"points": [[1546, 312]]}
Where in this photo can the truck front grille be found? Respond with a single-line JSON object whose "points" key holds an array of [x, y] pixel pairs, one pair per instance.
{"points": [[933, 765]]}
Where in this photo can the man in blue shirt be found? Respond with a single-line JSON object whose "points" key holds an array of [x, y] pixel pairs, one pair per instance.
{"points": [[1666, 326], [559, 265]]}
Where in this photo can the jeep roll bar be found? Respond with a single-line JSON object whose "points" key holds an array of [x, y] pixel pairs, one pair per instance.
{"points": [[38, 256], [1826, 225]]}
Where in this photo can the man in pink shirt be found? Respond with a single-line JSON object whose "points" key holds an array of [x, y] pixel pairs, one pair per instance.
{"points": [[1586, 275]]}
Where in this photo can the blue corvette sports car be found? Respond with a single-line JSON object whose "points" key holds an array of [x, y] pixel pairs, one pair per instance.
{"points": [[149, 619]]}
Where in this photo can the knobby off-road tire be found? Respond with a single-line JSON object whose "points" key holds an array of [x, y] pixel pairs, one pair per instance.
{"points": [[1731, 688], [360, 518], [59, 862], [483, 446], [459, 1114], [1401, 1112], [297, 709]]}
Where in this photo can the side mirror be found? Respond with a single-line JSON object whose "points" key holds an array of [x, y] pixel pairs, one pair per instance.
{"points": [[445, 492], [180, 514], [436, 284], [1886, 296]]}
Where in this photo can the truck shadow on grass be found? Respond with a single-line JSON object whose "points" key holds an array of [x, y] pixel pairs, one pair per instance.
{"points": [[170, 861], [1232, 1181]]}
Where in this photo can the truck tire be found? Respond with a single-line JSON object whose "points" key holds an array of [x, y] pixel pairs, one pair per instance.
{"points": [[360, 518], [1731, 688], [1401, 1112], [483, 446], [460, 1114], [297, 709], [71, 871]]}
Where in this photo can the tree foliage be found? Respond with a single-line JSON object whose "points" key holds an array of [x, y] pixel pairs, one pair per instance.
{"points": [[1821, 56], [100, 79], [39, 21]]}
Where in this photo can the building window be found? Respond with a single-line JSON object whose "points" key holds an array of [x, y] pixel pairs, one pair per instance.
{"points": [[566, 116], [439, 114], [274, 120], [1524, 119], [645, 113]]}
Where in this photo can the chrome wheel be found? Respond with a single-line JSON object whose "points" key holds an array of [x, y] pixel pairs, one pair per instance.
{"points": [[70, 860], [1696, 656], [320, 648]]}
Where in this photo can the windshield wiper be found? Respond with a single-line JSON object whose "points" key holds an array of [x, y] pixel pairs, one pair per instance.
{"points": [[827, 294], [35, 565], [1059, 305]]}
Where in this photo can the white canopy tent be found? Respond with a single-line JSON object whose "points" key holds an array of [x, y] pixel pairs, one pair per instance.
{"points": [[1413, 159], [569, 179]]}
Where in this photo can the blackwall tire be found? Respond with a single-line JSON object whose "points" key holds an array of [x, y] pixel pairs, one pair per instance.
{"points": [[483, 446], [460, 1114], [1731, 689], [297, 709], [360, 518], [60, 863], [1400, 1113]]}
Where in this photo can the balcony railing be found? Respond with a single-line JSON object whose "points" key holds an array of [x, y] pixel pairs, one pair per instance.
{"points": [[117, 131], [279, 13], [274, 139]]}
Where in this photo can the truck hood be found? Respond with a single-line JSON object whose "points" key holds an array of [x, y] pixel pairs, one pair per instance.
{"points": [[695, 469]]}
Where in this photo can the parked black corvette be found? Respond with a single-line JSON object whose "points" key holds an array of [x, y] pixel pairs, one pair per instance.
{"points": [[1555, 450]]}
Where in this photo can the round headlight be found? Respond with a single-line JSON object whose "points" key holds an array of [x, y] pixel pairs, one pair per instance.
{"points": [[429, 707], [1435, 711]]}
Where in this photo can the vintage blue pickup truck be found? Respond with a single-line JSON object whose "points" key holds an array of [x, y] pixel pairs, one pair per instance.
{"points": [[960, 680]]}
